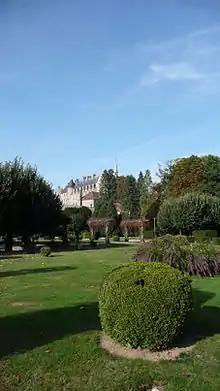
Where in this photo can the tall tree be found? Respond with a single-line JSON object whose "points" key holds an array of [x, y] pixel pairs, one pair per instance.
{"points": [[140, 181], [211, 182], [182, 175], [107, 196], [28, 205], [119, 187], [78, 220], [130, 199], [146, 193]]}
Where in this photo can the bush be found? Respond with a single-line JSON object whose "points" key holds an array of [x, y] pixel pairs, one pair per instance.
{"points": [[164, 249], [191, 239], [188, 213], [203, 235], [115, 238], [148, 234], [93, 243], [202, 259], [216, 241], [145, 305], [45, 251], [85, 235], [195, 258]]}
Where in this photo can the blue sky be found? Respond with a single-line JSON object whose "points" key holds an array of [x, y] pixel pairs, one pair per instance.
{"points": [[84, 80]]}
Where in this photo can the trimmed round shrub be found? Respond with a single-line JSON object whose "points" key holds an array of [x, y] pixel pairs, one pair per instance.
{"points": [[145, 305], [45, 251]]}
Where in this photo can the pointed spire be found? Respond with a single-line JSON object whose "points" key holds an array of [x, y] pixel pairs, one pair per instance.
{"points": [[116, 167]]}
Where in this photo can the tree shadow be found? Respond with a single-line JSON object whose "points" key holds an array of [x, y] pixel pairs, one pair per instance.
{"points": [[8, 257], [24, 272], [205, 320], [23, 332]]}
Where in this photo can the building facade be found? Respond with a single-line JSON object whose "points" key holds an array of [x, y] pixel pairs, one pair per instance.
{"points": [[83, 192]]}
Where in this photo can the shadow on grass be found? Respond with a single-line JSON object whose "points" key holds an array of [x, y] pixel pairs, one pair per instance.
{"points": [[23, 272], [20, 333], [60, 247], [205, 320]]}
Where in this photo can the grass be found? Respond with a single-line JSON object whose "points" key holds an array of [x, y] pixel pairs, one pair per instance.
{"points": [[49, 329]]}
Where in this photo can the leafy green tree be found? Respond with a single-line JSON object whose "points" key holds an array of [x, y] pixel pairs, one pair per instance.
{"points": [[107, 197], [78, 218], [119, 187], [130, 199], [191, 174], [140, 181], [190, 212], [211, 182], [145, 193], [182, 176], [28, 205]]}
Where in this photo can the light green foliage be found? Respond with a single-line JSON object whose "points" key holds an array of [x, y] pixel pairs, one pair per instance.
{"points": [[45, 251], [188, 213], [145, 305]]}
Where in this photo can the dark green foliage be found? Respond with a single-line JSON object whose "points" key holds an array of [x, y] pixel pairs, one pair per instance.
{"points": [[28, 205], [196, 259], [145, 305], [93, 243], [211, 182], [148, 234], [165, 249], [115, 238], [130, 206], [205, 235], [191, 239], [107, 197], [45, 251], [188, 213], [78, 218], [216, 241]]}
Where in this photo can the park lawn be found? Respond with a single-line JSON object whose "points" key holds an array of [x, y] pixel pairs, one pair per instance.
{"points": [[49, 329]]}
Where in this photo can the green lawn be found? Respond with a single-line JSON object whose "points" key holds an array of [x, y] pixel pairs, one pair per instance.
{"points": [[49, 329]]}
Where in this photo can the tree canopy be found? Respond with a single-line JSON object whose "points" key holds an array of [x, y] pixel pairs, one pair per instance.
{"points": [[191, 174], [28, 204], [190, 212], [107, 197], [130, 198]]}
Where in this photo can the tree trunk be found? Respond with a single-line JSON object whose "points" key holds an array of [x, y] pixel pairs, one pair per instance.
{"points": [[107, 234], [91, 233], [26, 243], [142, 233], [8, 242], [126, 234]]}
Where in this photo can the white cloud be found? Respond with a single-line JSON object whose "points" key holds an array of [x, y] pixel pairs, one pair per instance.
{"points": [[177, 71]]}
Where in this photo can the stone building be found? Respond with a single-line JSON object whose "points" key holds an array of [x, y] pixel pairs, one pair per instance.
{"points": [[83, 192]]}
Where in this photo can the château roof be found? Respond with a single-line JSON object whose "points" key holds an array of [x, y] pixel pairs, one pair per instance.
{"points": [[92, 195]]}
